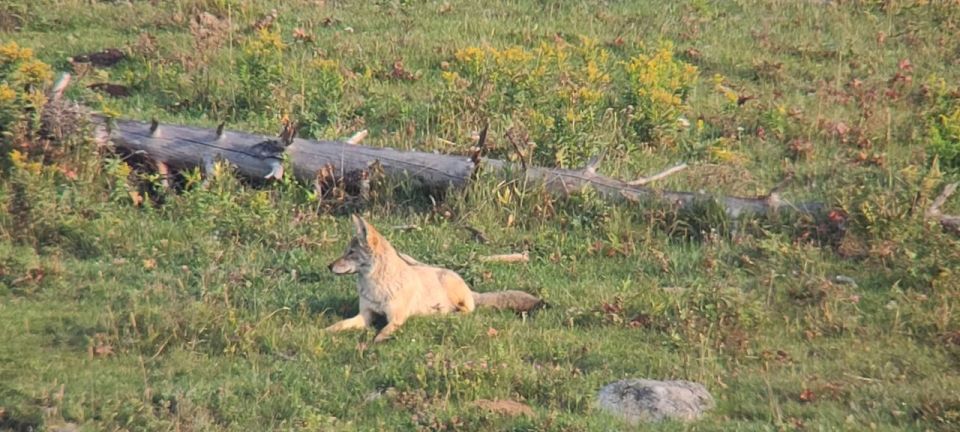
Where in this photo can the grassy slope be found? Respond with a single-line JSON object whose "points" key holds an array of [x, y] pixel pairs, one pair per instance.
{"points": [[213, 304]]}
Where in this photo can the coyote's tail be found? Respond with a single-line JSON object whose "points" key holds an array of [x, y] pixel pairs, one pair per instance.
{"points": [[517, 301]]}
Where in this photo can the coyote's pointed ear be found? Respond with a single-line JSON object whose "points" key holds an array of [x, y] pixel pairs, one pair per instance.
{"points": [[366, 232], [360, 226], [370, 235]]}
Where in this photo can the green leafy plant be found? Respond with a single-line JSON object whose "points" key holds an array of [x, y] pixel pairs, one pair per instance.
{"points": [[659, 85], [944, 131]]}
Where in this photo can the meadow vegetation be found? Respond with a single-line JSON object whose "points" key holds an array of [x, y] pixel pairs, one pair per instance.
{"points": [[125, 306]]}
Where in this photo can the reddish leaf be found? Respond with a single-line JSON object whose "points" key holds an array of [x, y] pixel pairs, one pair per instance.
{"points": [[905, 65]]}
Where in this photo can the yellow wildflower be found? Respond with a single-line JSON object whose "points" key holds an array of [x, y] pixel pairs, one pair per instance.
{"points": [[470, 55], [450, 78], [595, 75], [726, 156], [36, 99], [587, 43], [588, 96], [19, 161], [7, 94], [325, 64], [17, 158], [512, 55], [34, 72], [717, 79], [265, 42], [11, 52]]}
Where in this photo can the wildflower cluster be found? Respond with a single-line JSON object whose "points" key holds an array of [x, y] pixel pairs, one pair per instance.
{"points": [[22, 79], [659, 85], [310, 89], [563, 98]]}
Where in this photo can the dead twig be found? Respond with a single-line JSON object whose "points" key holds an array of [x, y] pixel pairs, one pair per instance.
{"points": [[56, 92], [507, 258], [593, 164], [478, 235], [777, 188], [518, 151], [949, 222], [934, 211], [164, 170], [478, 151], [409, 227], [773, 196], [358, 137], [670, 171]]}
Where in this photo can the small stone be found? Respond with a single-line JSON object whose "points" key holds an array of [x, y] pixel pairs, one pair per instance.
{"points": [[642, 400]]}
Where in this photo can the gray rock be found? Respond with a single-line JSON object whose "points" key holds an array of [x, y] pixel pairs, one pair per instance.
{"points": [[642, 400]]}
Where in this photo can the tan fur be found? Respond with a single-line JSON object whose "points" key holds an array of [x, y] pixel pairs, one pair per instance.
{"points": [[398, 287]]}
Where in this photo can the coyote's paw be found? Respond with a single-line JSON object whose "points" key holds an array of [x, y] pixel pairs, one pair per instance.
{"points": [[356, 322]]}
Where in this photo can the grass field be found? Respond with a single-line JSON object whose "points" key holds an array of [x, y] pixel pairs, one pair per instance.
{"points": [[123, 308]]}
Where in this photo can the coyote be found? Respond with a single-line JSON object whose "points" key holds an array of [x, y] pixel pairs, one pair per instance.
{"points": [[397, 286]]}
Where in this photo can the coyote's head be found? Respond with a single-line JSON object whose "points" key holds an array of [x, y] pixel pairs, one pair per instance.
{"points": [[362, 250]]}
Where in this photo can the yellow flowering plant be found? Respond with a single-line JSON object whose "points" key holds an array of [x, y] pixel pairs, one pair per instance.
{"points": [[555, 92], [659, 88], [310, 89], [562, 94], [22, 79]]}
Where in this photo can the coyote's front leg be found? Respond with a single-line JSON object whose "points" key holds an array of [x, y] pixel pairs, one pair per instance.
{"points": [[394, 321], [361, 320]]}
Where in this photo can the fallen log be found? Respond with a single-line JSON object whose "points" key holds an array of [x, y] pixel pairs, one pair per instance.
{"points": [[184, 147]]}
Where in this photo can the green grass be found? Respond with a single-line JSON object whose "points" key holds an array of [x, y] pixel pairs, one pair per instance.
{"points": [[206, 312]]}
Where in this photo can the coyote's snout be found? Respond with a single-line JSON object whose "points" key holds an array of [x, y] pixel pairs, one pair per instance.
{"points": [[352, 261], [397, 286]]}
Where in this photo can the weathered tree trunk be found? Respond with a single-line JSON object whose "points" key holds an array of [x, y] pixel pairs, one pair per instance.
{"points": [[186, 147]]}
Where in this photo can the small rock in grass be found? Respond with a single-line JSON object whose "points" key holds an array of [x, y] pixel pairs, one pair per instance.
{"points": [[642, 400]]}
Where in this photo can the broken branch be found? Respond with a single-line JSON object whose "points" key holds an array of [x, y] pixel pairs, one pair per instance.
{"points": [[56, 93], [670, 171], [949, 222], [358, 137], [593, 163], [408, 227], [478, 235], [164, 172], [507, 258], [934, 210]]}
